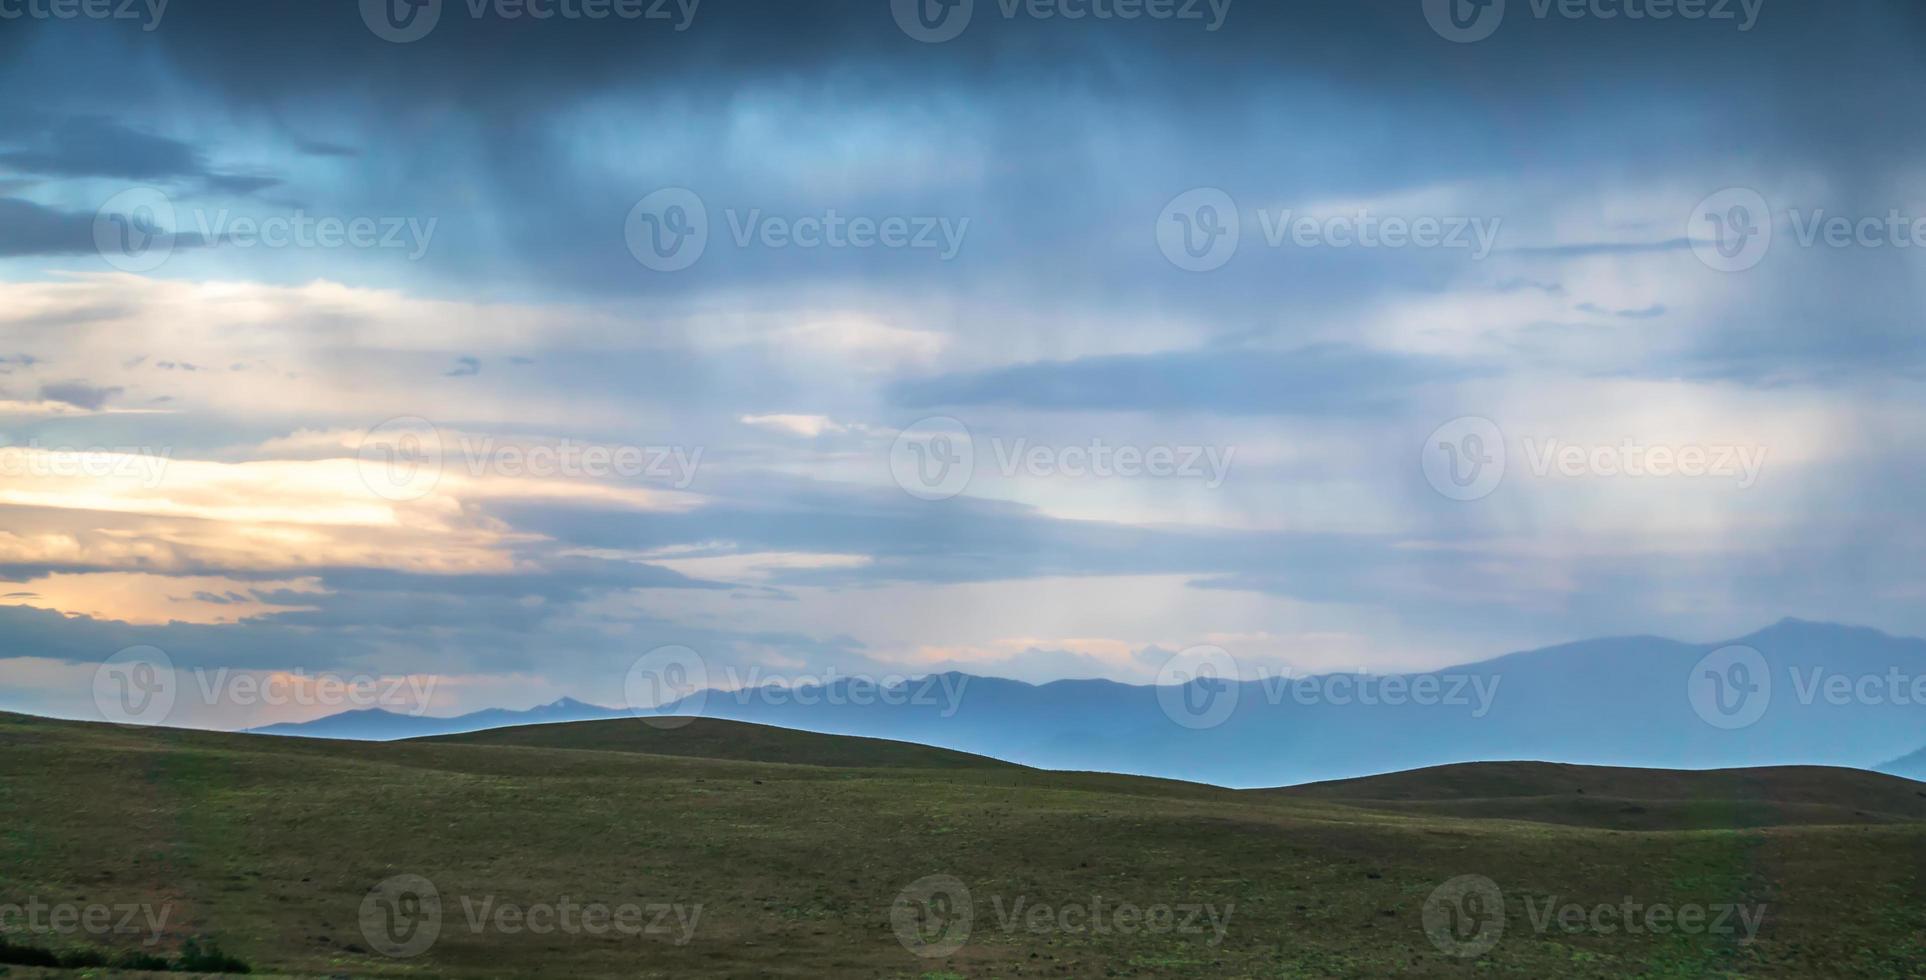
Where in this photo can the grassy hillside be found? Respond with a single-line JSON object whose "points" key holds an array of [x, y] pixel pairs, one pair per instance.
{"points": [[712, 738], [1635, 799], [271, 846]]}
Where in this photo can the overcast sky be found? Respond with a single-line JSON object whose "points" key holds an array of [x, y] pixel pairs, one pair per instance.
{"points": [[861, 338]]}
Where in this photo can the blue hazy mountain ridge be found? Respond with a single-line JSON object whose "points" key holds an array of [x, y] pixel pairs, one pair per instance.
{"points": [[380, 725], [1622, 701], [1911, 765]]}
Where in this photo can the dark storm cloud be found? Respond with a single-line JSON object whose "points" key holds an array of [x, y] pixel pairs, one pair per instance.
{"points": [[27, 228], [92, 146], [1327, 380], [80, 394]]}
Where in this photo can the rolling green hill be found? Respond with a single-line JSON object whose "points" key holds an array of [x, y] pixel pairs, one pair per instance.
{"points": [[712, 738], [1635, 799], [274, 848]]}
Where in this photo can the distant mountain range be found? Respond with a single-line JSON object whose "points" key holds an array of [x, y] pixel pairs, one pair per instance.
{"points": [[381, 725], [1829, 695]]}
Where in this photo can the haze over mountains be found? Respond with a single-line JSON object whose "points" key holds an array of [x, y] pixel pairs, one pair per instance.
{"points": [[1830, 695]]}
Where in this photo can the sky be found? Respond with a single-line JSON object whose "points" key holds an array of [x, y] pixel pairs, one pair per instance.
{"points": [[495, 344]]}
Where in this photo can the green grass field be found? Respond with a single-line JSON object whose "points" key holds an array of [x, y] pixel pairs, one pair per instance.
{"points": [[748, 851]]}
